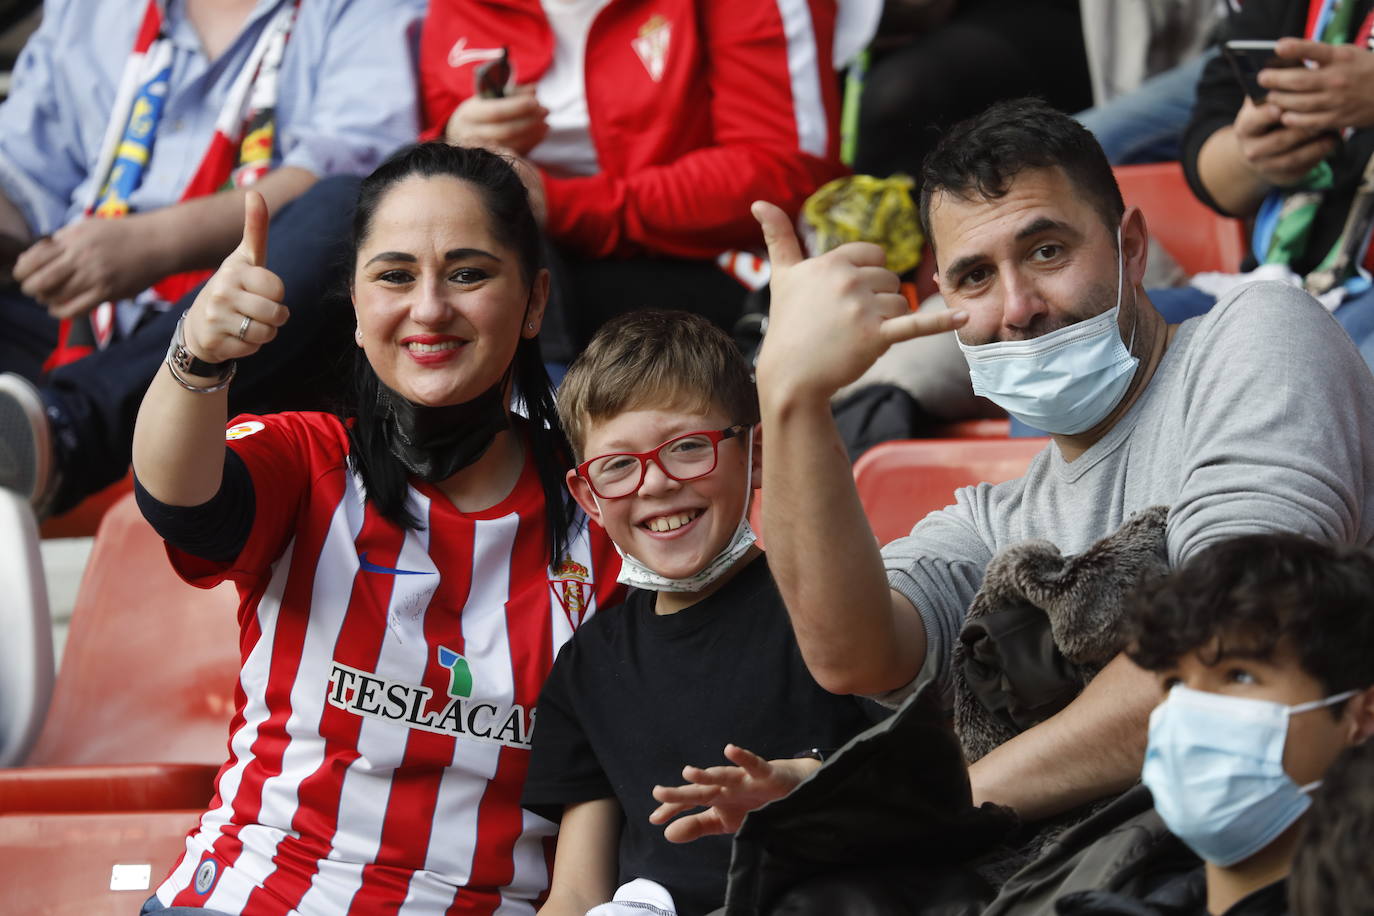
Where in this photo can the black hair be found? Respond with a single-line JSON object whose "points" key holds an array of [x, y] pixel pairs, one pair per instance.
{"points": [[1331, 873], [1257, 595], [512, 223], [979, 157]]}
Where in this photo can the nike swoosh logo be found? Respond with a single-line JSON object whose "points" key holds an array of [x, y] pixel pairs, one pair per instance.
{"points": [[387, 570], [461, 54]]}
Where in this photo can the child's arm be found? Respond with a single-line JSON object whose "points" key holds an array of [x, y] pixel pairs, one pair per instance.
{"points": [[728, 793], [584, 869]]}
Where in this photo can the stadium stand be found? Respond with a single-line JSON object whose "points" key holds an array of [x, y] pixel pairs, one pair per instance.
{"points": [[900, 482], [140, 709]]}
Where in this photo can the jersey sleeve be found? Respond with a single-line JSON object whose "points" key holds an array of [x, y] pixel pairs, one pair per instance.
{"points": [[564, 769], [274, 451]]}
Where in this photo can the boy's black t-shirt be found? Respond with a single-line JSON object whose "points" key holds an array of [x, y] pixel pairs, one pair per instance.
{"points": [[633, 697]]}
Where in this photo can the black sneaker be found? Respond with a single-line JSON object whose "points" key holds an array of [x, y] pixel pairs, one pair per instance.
{"points": [[26, 448]]}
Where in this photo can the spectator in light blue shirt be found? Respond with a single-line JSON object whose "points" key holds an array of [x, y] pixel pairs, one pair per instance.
{"points": [[346, 98]]}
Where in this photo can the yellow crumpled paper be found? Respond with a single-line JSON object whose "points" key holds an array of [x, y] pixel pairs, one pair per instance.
{"points": [[862, 208]]}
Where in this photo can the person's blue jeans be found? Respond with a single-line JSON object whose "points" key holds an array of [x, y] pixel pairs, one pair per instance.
{"points": [[1146, 124], [153, 905], [94, 401]]}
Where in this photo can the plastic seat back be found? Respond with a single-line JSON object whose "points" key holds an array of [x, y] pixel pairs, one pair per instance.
{"points": [[1198, 238], [87, 864], [901, 482], [26, 661], [151, 663]]}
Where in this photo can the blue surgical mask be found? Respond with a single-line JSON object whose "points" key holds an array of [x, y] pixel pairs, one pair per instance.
{"points": [[1215, 767], [1063, 382], [636, 575]]}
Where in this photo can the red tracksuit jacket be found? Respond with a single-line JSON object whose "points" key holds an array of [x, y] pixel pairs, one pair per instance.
{"points": [[697, 108]]}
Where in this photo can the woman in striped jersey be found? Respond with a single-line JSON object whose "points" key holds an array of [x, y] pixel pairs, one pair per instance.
{"points": [[406, 572]]}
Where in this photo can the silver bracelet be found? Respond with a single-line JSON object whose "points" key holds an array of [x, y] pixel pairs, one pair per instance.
{"points": [[180, 359]]}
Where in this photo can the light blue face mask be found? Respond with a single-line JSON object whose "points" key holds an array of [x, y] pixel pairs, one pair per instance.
{"points": [[1064, 382], [1215, 767]]}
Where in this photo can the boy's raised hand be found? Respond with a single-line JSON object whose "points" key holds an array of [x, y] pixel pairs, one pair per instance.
{"points": [[727, 793], [833, 315], [239, 309]]}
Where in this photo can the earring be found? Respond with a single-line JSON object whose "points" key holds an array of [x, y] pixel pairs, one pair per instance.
{"points": [[358, 334]]}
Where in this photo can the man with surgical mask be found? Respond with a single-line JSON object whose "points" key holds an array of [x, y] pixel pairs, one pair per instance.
{"points": [[1263, 649], [1257, 417]]}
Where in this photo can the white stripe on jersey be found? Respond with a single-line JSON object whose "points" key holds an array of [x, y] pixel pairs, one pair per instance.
{"points": [[486, 644], [366, 789], [530, 866], [253, 678], [305, 751], [182, 875], [803, 67]]}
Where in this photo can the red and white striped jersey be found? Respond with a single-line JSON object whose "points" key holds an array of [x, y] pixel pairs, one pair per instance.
{"points": [[387, 695]]}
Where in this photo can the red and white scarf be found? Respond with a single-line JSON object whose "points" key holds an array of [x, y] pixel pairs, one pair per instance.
{"points": [[240, 153]]}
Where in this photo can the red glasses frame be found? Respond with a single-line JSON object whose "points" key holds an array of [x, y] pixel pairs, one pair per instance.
{"points": [[715, 435]]}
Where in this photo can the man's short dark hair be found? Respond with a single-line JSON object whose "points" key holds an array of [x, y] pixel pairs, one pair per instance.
{"points": [[979, 157], [1331, 873], [1257, 596]]}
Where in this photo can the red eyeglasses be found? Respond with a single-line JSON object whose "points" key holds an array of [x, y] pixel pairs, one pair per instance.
{"points": [[684, 457]]}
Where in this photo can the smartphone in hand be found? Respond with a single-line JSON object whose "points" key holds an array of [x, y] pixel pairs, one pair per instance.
{"points": [[1248, 58], [491, 79]]}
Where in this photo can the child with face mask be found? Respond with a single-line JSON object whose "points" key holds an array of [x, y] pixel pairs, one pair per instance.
{"points": [[662, 414], [1264, 650]]}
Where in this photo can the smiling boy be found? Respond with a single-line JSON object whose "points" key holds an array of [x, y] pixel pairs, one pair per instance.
{"points": [[663, 415], [1265, 646]]}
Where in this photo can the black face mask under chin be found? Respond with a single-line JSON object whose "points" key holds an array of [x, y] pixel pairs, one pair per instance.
{"points": [[434, 443]]}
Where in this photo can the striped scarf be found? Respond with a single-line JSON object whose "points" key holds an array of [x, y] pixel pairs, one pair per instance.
{"points": [[240, 152]]}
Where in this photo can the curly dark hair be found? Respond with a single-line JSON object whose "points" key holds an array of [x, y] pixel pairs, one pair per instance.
{"points": [[1331, 873], [1258, 594], [979, 157]]}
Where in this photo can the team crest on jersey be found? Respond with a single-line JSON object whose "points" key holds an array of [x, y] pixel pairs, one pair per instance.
{"points": [[244, 430], [652, 45], [572, 586]]}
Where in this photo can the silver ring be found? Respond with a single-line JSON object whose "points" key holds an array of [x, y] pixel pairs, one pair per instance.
{"points": [[243, 328]]}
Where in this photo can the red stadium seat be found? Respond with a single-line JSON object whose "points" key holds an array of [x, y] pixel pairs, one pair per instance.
{"points": [[82, 520], [141, 707], [901, 482], [1198, 238], [91, 864]]}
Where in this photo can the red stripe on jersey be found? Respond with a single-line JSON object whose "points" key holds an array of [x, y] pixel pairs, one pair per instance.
{"points": [[415, 788], [227, 847], [358, 645], [500, 819], [270, 745]]}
